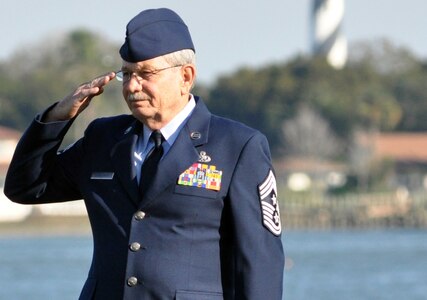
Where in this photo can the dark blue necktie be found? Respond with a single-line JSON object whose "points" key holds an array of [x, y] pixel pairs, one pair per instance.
{"points": [[149, 167]]}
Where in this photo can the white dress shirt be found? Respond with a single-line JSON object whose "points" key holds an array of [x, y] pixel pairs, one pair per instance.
{"points": [[170, 133]]}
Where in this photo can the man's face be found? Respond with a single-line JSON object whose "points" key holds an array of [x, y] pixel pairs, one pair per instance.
{"points": [[152, 90]]}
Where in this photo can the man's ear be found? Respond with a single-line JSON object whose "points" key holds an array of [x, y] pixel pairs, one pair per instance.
{"points": [[188, 73]]}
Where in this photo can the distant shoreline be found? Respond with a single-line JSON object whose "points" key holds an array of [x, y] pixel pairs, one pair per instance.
{"points": [[52, 226], [47, 226]]}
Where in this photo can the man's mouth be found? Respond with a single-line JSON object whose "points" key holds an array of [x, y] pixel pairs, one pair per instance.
{"points": [[137, 97]]}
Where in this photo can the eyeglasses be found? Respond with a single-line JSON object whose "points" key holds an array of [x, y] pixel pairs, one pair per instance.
{"points": [[125, 76]]}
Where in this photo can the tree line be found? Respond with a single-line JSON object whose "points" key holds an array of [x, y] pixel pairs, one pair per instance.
{"points": [[303, 105]]}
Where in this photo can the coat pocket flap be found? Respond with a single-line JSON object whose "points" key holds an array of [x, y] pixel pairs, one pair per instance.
{"points": [[194, 295], [195, 191]]}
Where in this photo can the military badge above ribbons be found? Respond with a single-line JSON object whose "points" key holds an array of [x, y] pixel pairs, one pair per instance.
{"points": [[202, 176], [269, 204]]}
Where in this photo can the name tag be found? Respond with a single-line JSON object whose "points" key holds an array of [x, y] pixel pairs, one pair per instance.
{"points": [[102, 175]]}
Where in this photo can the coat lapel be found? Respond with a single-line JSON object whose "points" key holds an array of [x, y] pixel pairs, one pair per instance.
{"points": [[122, 160]]}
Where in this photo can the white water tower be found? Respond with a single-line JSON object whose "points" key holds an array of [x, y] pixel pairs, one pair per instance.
{"points": [[327, 39]]}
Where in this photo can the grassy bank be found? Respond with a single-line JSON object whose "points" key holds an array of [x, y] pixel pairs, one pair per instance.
{"points": [[385, 210]]}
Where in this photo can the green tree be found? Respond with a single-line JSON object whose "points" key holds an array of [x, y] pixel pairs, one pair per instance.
{"points": [[264, 98], [36, 77], [411, 94]]}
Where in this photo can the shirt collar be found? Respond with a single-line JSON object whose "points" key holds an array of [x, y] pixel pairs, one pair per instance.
{"points": [[171, 130]]}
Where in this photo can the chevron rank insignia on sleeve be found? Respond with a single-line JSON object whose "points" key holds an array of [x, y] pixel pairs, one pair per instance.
{"points": [[269, 204]]}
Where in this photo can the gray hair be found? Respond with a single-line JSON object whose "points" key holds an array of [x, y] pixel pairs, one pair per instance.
{"points": [[181, 57]]}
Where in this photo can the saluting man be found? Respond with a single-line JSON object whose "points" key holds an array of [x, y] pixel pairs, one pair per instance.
{"points": [[182, 203]]}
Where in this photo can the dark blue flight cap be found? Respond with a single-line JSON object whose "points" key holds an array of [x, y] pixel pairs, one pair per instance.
{"points": [[153, 33]]}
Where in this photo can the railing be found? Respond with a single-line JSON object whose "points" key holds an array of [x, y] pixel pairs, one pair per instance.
{"points": [[354, 211]]}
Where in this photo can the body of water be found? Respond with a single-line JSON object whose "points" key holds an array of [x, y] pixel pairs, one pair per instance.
{"points": [[347, 265], [321, 265]]}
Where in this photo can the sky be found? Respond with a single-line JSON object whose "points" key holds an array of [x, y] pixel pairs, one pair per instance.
{"points": [[228, 34]]}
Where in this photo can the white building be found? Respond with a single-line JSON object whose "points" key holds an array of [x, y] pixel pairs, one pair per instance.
{"points": [[12, 212]]}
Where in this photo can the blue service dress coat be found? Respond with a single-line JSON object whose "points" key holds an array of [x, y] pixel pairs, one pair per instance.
{"points": [[207, 228]]}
